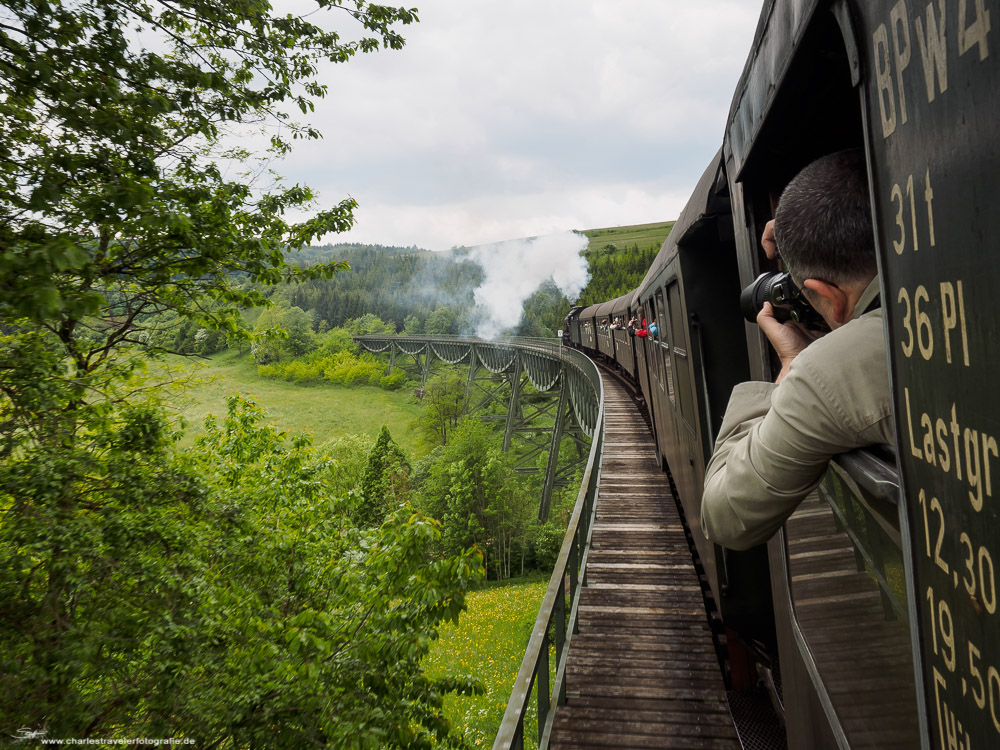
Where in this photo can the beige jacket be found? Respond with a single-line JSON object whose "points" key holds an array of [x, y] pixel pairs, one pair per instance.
{"points": [[776, 440]]}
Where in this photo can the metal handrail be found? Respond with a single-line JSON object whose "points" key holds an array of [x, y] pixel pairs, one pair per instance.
{"points": [[535, 669]]}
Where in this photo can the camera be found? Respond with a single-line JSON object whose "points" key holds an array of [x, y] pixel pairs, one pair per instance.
{"points": [[788, 302]]}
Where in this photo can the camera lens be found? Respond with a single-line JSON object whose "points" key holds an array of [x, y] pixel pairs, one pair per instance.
{"points": [[762, 289], [789, 304]]}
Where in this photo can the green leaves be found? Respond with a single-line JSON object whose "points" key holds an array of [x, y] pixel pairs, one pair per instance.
{"points": [[225, 595], [110, 195], [472, 488]]}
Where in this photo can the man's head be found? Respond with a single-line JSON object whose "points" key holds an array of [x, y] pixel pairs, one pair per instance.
{"points": [[823, 230]]}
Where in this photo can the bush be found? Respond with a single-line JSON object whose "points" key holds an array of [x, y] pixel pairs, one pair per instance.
{"points": [[344, 368], [393, 382], [332, 342], [297, 371]]}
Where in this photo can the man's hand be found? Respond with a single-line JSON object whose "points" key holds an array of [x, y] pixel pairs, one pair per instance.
{"points": [[768, 242], [788, 339]]}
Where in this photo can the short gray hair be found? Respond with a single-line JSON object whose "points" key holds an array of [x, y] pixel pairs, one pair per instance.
{"points": [[823, 225]]}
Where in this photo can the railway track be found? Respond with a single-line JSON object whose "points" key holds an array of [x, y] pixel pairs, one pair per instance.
{"points": [[643, 670]]}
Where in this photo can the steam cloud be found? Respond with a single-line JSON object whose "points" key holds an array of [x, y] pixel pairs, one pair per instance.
{"points": [[514, 269]]}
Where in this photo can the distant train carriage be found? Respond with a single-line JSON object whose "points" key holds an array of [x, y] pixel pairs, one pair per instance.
{"points": [[624, 349], [605, 340], [588, 325]]}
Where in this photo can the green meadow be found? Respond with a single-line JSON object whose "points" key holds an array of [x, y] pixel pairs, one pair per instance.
{"points": [[325, 410], [643, 235], [488, 643]]}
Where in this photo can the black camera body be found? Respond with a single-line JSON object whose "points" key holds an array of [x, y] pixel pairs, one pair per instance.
{"points": [[788, 302]]}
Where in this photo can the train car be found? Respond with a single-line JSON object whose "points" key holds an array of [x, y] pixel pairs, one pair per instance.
{"points": [[698, 354], [605, 340], [914, 86], [588, 328], [872, 616], [571, 327], [624, 348]]}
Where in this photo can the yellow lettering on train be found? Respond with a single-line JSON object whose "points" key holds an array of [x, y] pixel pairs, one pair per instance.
{"points": [[925, 421], [883, 76], [892, 47], [944, 457], [954, 432], [909, 424], [972, 468], [899, 20], [954, 315], [933, 49], [989, 446], [930, 444], [975, 33]]}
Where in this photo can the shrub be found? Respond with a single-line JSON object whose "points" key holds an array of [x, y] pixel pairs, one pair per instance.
{"points": [[298, 371], [393, 382], [344, 368]]}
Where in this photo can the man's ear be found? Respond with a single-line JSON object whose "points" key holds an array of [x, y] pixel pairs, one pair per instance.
{"points": [[835, 297]]}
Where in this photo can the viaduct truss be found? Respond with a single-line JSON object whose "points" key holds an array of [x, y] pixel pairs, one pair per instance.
{"points": [[563, 400]]}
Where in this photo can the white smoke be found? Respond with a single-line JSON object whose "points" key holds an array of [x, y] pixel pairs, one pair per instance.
{"points": [[514, 269]]}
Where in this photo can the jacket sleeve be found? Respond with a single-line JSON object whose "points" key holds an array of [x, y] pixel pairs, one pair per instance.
{"points": [[722, 521], [776, 441], [773, 449]]}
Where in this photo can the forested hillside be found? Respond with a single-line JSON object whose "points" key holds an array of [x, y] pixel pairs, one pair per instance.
{"points": [[391, 282], [422, 292], [618, 258]]}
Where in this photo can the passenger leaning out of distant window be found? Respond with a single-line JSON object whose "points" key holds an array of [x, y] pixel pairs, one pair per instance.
{"points": [[642, 332]]}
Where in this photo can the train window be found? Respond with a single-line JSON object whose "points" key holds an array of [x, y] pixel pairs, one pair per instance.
{"points": [[682, 366], [655, 306], [663, 324], [652, 368]]}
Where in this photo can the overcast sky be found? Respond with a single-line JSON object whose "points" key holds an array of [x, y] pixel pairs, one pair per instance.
{"points": [[502, 119]]}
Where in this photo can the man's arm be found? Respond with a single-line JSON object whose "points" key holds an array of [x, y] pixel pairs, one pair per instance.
{"points": [[772, 451], [776, 441], [721, 522]]}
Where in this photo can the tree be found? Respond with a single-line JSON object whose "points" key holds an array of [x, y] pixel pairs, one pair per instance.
{"points": [[445, 402], [349, 456], [298, 324], [412, 326], [471, 487], [441, 322], [369, 324], [283, 330], [112, 199], [544, 312], [223, 594], [239, 337], [385, 483]]}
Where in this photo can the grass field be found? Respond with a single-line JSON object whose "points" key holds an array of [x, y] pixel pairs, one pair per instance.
{"points": [[642, 235], [325, 410], [488, 643]]}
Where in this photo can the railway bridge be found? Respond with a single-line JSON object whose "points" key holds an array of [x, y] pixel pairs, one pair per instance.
{"points": [[622, 653]]}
